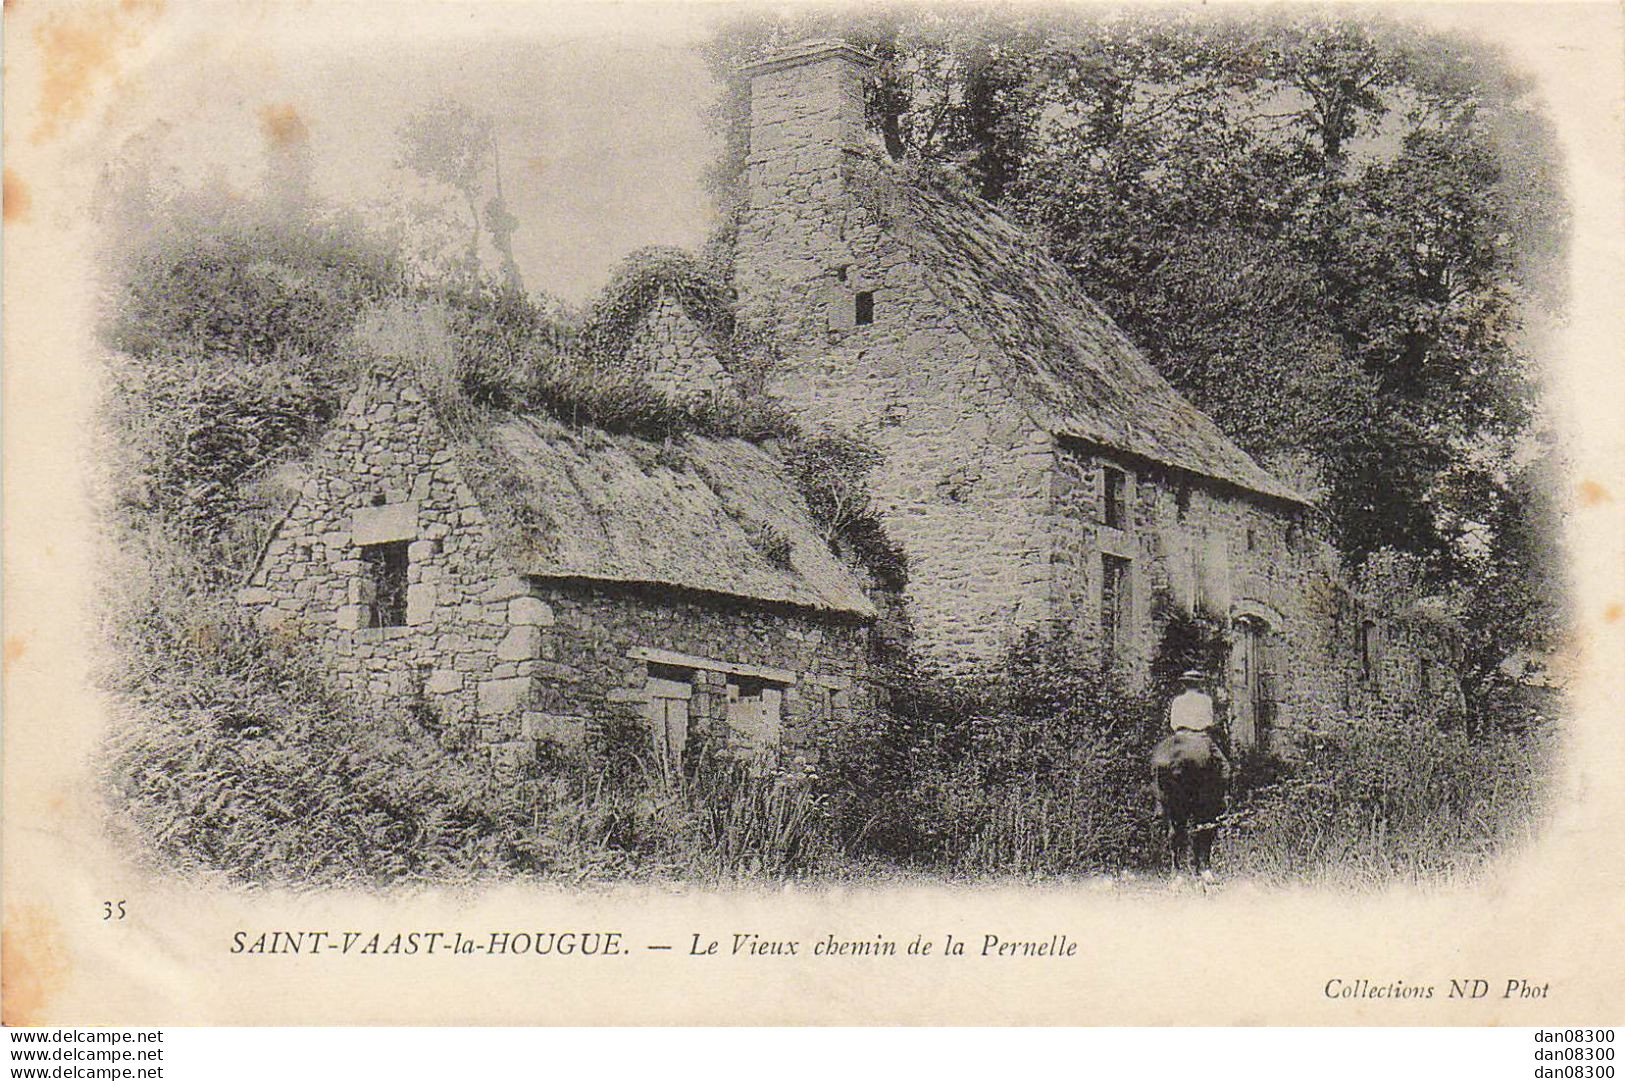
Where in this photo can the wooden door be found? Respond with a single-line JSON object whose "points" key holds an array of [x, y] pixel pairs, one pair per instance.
{"points": [[1247, 694], [667, 713]]}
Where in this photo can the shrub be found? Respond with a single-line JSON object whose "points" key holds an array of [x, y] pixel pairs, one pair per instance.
{"points": [[1378, 798], [832, 470], [509, 354], [1038, 767], [232, 758], [641, 277]]}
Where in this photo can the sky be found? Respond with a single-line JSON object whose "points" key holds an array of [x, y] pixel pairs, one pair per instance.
{"points": [[600, 106], [600, 117]]}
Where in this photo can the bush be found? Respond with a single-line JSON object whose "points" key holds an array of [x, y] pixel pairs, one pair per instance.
{"points": [[1379, 798], [509, 355], [832, 470], [232, 758], [1039, 768]]}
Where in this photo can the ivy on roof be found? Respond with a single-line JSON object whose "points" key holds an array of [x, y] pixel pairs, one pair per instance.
{"points": [[638, 284]]}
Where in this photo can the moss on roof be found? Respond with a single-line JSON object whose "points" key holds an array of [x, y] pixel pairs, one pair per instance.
{"points": [[702, 513]]}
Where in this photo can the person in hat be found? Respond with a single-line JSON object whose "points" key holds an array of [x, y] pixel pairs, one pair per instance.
{"points": [[1192, 708], [1190, 775]]}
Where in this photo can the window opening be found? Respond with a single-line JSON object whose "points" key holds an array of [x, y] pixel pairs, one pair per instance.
{"points": [[1114, 604], [1368, 649], [864, 312], [386, 575], [1115, 489]]}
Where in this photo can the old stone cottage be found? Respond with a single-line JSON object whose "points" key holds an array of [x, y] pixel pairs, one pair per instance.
{"points": [[523, 580], [530, 580], [1038, 471]]}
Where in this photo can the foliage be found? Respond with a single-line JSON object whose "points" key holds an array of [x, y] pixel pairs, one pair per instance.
{"points": [[1037, 769], [639, 281], [233, 760], [832, 470], [755, 821], [452, 145], [1324, 229], [1383, 797]]}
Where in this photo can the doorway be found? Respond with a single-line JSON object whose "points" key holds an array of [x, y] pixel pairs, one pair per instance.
{"points": [[667, 712], [1250, 684]]}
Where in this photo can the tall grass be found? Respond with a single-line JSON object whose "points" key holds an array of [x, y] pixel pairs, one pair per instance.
{"points": [[1039, 768], [1373, 800]]}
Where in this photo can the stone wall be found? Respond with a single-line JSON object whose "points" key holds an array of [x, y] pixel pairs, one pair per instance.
{"points": [[603, 641], [1194, 546], [673, 356], [962, 484], [506, 660], [386, 473]]}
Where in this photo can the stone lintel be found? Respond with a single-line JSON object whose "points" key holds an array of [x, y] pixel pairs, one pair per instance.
{"points": [[380, 525], [709, 664]]}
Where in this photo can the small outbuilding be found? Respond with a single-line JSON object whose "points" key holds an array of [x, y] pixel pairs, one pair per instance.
{"points": [[523, 580]]}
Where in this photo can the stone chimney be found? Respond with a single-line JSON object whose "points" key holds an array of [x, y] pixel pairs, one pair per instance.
{"points": [[806, 110], [806, 122]]}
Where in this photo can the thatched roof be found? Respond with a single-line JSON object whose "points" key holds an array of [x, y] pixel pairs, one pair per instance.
{"points": [[714, 515], [1077, 372]]}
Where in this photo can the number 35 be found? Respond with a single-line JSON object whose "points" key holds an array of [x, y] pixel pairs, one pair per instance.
{"points": [[113, 910]]}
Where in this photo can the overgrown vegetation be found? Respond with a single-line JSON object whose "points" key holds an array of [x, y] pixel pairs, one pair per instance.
{"points": [[511, 353], [832, 470], [1040, 769], [231, 323], [1383, 798], [1328, 231]]}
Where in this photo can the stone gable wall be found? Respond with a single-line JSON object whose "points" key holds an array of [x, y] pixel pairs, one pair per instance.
{"points": [[312, 578], [672, 354], [962, 484]]}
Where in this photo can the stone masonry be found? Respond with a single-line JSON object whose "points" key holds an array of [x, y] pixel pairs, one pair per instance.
{"points": [[673, 355], [514, 661], [963, 482], [1002, 521]]}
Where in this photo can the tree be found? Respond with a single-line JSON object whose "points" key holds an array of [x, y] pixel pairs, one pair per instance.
{"points": [[1324, 231], [452, 145]]}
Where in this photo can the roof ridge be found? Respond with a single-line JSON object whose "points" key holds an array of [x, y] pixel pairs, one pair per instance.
{"points": [[1062, 376]]}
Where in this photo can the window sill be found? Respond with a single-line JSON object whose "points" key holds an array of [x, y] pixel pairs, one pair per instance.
{"points": [[381, 634]]}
